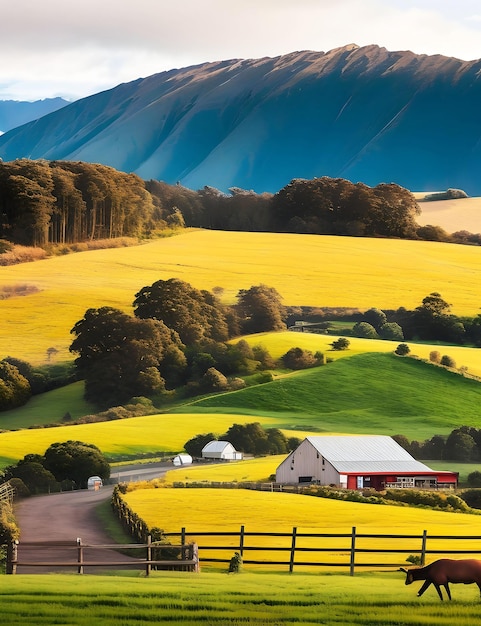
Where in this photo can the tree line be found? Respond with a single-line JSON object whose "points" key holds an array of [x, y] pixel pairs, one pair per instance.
{"points": [[248, 438], [463, 444], [64, 202], [432, 320]]}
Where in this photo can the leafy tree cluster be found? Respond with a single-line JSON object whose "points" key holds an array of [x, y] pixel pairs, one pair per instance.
{"points": [[248, 438], [69, 461], [337, 206], [59, 202], [432, 320], [462, 444], [177, 337], [63, 202]]}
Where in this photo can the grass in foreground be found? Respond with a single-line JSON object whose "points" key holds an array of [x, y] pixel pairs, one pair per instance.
{"points": [[218, 598]]}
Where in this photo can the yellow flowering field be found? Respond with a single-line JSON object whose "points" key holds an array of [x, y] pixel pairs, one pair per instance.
{"points": [[310, 270], [225, 510], [152, 433]]}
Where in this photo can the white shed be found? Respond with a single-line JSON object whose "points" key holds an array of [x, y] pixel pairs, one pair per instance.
{"points": [[182, 459], [221, 451], [94, 482]]}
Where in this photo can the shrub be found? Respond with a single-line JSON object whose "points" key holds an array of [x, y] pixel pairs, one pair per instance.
{"points": [[341, 344], [448, 361], [474, 479], [298, 359], [472, 497], [402, 350], [435, 356]]}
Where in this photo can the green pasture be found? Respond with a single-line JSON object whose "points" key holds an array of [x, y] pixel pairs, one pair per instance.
{"points": [[368, 393], [260, 599], [279, 343], [314, 270], [49, 408]]}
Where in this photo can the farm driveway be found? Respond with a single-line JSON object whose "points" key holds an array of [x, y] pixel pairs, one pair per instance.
{"points": [[64, 517]]}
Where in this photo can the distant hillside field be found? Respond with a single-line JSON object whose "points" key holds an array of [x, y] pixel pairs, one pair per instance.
{"points": [[312, 270], [452, 215]]}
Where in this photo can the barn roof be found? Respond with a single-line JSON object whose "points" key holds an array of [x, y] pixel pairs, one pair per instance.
{"points": [[216, 446], [366, 453]]}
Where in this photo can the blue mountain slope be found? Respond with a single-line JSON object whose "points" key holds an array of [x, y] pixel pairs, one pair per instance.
{"points": [[365, 114], [14, 113]]}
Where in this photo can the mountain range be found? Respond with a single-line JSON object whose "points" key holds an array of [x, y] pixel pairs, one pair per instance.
{"points": [[14, 113], [361, 113]]}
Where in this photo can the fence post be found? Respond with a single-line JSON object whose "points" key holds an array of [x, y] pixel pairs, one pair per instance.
{"points": [[80, 556], [12, 553], [148, 565], [423, 547], [293, 549], [241, 541], [182, 536], [353, 551]]}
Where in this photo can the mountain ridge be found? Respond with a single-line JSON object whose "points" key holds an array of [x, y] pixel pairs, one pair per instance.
{"points": [[15, 113], [361, 113]]}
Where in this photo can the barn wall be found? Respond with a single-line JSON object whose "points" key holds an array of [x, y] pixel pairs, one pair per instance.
{"points": [[306, 463]]}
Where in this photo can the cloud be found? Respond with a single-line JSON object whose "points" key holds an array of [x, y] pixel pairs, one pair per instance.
{"points": [[55, 47]]}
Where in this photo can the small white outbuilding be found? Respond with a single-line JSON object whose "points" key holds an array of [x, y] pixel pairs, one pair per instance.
{"points": [[182, 459], [94, 482], [221, 451]]}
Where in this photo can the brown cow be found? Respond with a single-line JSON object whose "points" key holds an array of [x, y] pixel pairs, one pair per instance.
{"points": [[443, 572]]}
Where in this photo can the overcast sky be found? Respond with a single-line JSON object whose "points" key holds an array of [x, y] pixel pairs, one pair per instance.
{"points": [[74, 49]]}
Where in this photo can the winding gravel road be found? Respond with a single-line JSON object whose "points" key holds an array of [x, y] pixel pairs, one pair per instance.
{"points": [[68, 516]]}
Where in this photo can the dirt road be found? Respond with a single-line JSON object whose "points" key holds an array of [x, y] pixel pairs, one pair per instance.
{"points": [[66, 517], [63, 517]]}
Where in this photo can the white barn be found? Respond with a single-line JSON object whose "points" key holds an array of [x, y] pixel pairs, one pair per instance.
{"points": [[359, 462], [221, 451]]}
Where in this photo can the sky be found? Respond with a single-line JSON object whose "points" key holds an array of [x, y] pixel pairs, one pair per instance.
{"points": [[74, 49]]}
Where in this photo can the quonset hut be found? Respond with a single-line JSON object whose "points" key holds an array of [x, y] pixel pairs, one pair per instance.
{"points": [[360, 462], [221, 451]]}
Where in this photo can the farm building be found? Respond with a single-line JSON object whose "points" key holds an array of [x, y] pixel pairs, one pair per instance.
{"points": [[221, 451], [182, 459], [360, 462]]}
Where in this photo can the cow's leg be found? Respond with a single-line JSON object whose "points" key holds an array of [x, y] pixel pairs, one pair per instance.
{"points": [[438, 589], [448, 591], [426, 584]]}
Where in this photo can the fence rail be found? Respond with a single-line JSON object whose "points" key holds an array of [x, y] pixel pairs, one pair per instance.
{"points": [[72, 554], [356, 546]]}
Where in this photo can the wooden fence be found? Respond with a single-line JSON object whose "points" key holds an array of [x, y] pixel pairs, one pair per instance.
{"points": [[355, 551], [73, 554]]}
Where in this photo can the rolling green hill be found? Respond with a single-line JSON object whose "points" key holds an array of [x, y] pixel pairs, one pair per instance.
{"points": [[367, 393]]}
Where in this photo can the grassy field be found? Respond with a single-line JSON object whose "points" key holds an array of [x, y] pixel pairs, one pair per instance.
{"points": [[370, 393], [305, 269], [367, 599]]}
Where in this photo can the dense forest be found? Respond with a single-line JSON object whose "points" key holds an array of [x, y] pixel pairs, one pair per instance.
{"points": [[61, 202]]}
